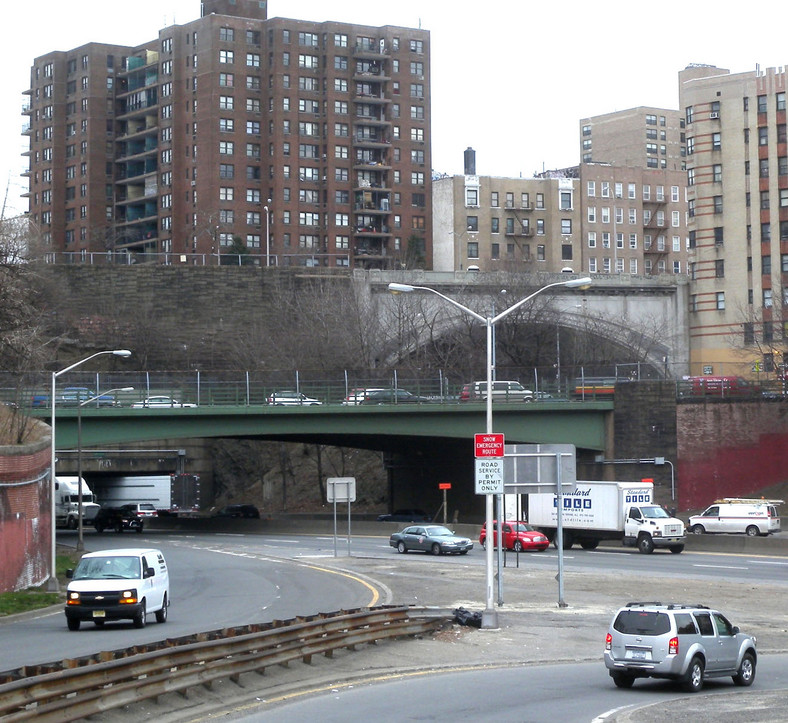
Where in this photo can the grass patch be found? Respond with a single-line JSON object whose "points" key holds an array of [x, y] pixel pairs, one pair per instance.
{"points": [[35, 598], [25, 600]]}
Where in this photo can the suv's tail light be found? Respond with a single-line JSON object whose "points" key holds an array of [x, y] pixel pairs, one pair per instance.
{"points": [[608, 641], [673, 646]]}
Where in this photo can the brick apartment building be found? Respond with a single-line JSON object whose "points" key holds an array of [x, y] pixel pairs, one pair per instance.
{"points": [[295, 142]]}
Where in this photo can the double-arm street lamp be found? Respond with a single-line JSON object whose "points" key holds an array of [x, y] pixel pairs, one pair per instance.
{"points": [[80, 542], [53, 583], [490, 616]]}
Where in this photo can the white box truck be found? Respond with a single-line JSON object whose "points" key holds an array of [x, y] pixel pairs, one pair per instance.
{"points": [[67, 502], [171, 494], [605, 510]]}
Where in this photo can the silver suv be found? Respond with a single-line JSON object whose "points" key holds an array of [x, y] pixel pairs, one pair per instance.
{"points": [[687, 643]]}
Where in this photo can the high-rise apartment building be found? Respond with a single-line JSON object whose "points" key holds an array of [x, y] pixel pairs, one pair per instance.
{"points": [[737, 169], [647, 137], [295, 142]]}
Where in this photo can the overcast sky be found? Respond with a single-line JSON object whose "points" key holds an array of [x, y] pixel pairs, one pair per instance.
{"points": [[510, 78]]}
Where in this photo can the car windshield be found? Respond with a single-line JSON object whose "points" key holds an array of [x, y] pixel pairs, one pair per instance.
{"points": [[439, 532], [654, 512], [640, 622], [102, 568], [523, 528]]}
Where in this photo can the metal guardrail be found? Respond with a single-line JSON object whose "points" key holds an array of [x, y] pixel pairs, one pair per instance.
{"points": [[74, 689]]}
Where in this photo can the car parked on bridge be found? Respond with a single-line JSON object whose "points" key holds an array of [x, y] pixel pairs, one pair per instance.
{"points": [[502, 391], [686, 643], [74, 396], [393, 396], [291, 399], [435, 539], [517, 536], [356, 396], [161, 402]]}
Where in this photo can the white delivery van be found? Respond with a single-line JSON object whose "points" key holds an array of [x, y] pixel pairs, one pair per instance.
{"points": [[124, 584], [738, 515]]}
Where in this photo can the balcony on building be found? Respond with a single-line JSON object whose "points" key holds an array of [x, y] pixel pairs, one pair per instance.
{"points": [[370, 48]]}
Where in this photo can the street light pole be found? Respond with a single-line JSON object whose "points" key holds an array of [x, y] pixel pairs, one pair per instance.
{"points": [[490, 615], [80, 540], [53, 585]]}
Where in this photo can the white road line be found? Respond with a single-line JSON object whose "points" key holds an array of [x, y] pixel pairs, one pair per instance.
{"points": [[766, 562], [724, 567]]}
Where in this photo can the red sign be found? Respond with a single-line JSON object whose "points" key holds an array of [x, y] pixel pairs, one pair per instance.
{"points": [[444, 485], [488, 445]]}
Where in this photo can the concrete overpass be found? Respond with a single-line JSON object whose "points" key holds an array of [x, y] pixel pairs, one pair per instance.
{"points": [[648, 316], [424, 443]]}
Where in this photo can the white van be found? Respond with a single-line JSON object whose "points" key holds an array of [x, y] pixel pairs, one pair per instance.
{"points": [[749, 516], [503, 391], [118, 585]]}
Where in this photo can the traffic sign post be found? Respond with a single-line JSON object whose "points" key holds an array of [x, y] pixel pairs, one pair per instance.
{"points": [[444, 487], [341, 489]]}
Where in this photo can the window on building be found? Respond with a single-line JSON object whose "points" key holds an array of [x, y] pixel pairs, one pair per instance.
{"points": [[473, 249]]}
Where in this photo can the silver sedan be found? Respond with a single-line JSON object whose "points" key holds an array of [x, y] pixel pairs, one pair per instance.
{"points": [[436, 539]]}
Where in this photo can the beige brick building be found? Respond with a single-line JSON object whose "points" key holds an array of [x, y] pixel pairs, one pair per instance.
{"points": [[294, 142], [644, 137], [737, 168], [594, 218]]}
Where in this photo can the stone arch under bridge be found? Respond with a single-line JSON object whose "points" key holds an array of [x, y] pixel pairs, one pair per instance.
{"points": [[648, 316]]}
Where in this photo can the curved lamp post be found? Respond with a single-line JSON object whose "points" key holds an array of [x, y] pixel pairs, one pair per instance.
{"points": [[53, 585], [80, 543], [490, 615]]}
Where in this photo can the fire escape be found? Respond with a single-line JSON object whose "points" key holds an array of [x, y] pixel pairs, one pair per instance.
{"points": [[371, 226], [655, 242], [136, 187]]}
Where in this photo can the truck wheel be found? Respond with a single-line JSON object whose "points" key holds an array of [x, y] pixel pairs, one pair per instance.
{"points": [[99, 529], [589, 544], [645, 544], [569, 540], [698, 529], [677, 549], [73, 623], [752, 531], [139, 618], [161, 615], [693, 681], [71, 524]]}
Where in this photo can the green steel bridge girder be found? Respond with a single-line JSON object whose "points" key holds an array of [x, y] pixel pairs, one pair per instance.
{"points": [[385, 428]]}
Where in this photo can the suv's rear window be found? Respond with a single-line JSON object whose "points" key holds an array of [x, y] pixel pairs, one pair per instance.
{"points": [[639, 622]]}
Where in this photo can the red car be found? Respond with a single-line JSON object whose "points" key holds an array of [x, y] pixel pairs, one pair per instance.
{"points": [[517, 536]]}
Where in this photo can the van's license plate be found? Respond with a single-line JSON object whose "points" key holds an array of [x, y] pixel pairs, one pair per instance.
{"points": [[638, 655], [99, 613]]}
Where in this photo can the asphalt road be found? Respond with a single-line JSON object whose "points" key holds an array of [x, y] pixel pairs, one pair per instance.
{"points": [[260, 582]]}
